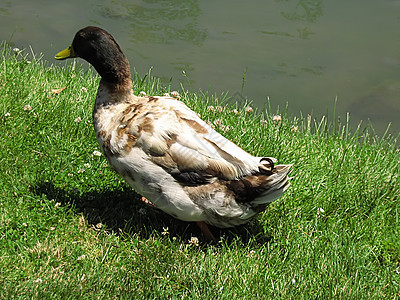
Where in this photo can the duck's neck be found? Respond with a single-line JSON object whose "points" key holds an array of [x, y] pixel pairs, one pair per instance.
{"points": [[113, 70], [113, 93], [115, 81], [124, 86]]}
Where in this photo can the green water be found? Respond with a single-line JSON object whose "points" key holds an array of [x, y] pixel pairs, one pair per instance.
{"points": [[305, 53]]}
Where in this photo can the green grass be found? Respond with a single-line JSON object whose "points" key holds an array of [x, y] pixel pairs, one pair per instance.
{"points": [[70, 228]]}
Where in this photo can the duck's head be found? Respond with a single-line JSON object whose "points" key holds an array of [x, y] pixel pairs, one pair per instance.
{"points": [[98, 47]]}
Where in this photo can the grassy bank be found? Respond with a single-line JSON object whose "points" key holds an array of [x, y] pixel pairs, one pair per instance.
{"points": [[70, 228]]}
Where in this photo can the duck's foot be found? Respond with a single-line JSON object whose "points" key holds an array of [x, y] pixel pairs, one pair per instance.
{"points": [[143, 199], [206, 231]]}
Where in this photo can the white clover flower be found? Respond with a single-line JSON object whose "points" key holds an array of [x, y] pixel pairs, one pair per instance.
{"points": [[277, 118], [249, 109], [194, 241], [175, 94], [96, 153], [27, 107], [165, 231], [83, 89], [78, 119]]}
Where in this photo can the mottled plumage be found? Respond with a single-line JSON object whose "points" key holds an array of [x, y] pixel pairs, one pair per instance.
{"points": [[167, 153]]}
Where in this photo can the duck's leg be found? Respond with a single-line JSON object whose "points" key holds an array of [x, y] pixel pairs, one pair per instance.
{"points": [[143, 199], [206, 231]]}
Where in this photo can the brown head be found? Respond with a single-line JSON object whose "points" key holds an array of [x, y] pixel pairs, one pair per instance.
{"points": [[98, 47]]}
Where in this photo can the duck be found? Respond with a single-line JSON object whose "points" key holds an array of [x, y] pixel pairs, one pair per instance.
{"points": [[167, 153]]}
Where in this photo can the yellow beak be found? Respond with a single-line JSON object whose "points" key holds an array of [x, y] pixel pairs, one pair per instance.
{"points": [[67, 53]]}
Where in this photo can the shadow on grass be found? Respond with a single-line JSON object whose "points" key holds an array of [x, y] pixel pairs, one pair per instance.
{"points": [[123, 211]]}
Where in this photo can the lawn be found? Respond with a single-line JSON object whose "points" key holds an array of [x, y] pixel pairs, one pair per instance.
{"points": [[70, 228]]}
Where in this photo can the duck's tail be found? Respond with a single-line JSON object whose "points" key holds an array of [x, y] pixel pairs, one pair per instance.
{"points": [[260, 189], [228, 203], [273, 186]]}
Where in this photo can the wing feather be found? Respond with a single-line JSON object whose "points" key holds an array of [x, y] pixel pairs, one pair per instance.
{"points": [[179, 141]]}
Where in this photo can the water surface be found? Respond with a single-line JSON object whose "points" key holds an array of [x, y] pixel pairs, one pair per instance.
{"points": [[306, 53]]}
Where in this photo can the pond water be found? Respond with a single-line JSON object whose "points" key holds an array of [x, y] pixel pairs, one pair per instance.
{"points": [[304, 53]]}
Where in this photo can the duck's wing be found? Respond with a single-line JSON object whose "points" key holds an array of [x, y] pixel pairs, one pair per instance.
{"points": [[175, 138]]}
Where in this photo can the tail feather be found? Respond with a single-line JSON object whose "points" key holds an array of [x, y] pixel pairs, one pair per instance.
{"points": [[228, 203], [261, 189], [277, 184]]}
